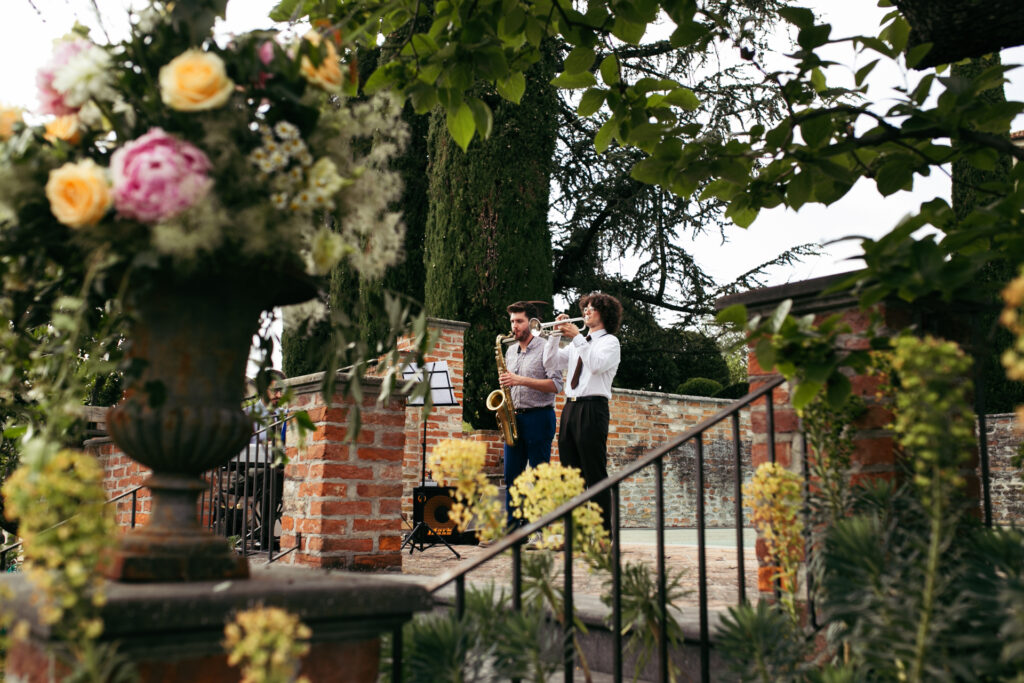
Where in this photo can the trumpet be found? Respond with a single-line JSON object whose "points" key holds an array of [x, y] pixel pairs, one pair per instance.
{"points": [[544, 329]]}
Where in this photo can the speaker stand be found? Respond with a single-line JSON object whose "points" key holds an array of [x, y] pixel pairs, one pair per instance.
{"points": [[410, 540]]}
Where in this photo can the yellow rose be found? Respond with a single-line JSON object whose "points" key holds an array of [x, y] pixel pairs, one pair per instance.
{"points": [[195, 81], [328, 75], [64, 128], [79, 193], [8, 117]]}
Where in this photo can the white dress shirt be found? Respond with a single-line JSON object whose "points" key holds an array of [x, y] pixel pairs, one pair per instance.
{"points": [[600, 361]]}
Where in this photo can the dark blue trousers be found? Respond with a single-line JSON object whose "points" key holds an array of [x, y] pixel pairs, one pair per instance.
{"points": [[536, 430]]}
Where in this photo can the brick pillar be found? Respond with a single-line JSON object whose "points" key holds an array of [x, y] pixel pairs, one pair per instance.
{"points": [[342, 500], [874, 455], [121, 474]]}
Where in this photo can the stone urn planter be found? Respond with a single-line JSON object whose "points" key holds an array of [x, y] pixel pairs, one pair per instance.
{"points": [[181, 414]]}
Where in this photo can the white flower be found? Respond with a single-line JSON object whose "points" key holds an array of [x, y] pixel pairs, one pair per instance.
{"points": [[328, 249], [279, 200], [286, 130], [86, 75], [324, 178], [147, 20]]}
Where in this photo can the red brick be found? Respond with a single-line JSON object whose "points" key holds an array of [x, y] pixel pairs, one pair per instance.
{"points": [[866, 385], [394, 439], [786, 420], [347, 472], [376, 454], [334, 527], [878, 451], [379, 490], [377, 561], [390, 543], [875, 417], [389, 506], [353, 544], [783, 454], [329, 432], [377, 524], [333, 508]]}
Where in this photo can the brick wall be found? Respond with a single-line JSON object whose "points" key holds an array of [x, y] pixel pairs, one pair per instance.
{"points": [[342, 500], [121, 474], [1006, 486]]}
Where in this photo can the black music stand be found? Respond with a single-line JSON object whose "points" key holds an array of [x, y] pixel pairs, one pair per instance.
{"points": [[442, 393]]}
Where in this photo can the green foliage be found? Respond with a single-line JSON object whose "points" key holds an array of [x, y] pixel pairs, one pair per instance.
{"points": [[734, 390], [491, 641], [762, 643], [805, 352], [641, 613], [656, 358], [829, 436], [699, 386], [487, 242]]}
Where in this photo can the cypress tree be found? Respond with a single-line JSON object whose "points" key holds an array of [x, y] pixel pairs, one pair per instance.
{"points": [[974, 187], [487, 238]]}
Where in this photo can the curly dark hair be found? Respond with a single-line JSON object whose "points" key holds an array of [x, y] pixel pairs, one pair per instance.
{"points": [[608, 307]]}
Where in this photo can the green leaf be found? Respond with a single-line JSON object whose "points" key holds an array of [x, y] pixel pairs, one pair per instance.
{"points": [[733, 315], [816, 130], [743, 217], [610, 70], [799, 190], [580, 59], [813, 36], [837, 390], [482, 116], [818, 80], [683, 98], [804, 393], [893, 177], [377, 80], [512, 87], [591, 101], [604, 135], [765, 353], [779, 315], [864, 71], [461, 125], [628, 31], [423, 97], [798, 16], [569, 81], [650, 171]]}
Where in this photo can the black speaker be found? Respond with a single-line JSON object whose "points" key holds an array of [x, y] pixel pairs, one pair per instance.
{"points": [[432, 506]]}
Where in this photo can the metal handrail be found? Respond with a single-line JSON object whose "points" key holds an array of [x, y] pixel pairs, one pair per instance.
{"points": [[523, 532], [515, 540], [14, 546]]}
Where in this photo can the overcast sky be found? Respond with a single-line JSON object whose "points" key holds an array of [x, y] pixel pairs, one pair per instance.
{"points": [[28, 33]]}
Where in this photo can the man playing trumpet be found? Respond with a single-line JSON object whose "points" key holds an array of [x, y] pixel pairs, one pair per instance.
{"points": [[591, 363], [534, 384]]}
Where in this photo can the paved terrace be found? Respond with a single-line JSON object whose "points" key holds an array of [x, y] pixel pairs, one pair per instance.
{"points": [[637, 545]]}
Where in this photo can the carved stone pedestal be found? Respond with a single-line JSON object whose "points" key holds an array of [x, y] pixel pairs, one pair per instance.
{"points": [[173, 631]]}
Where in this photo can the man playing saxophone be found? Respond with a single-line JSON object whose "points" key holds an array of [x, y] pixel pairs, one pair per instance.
{"points": [[533, 385]]}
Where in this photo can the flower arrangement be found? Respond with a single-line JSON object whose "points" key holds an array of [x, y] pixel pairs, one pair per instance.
{"points": [[171, 151]]}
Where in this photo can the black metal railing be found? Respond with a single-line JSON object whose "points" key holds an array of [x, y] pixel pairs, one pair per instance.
{"points": [[245, 497], [7, 551], [655, 459]]}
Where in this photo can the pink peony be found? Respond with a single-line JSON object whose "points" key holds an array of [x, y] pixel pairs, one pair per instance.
{"points": [[158, 176], [51, 100]]}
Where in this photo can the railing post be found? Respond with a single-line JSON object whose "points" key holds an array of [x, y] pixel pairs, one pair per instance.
{"points": [[741, 573], [702, 566], [659, 505], [396, 655], [769, 407], [135, 500], [567, 612], [616, 588]]}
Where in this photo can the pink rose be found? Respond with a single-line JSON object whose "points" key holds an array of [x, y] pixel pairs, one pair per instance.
{"points": [[51, 100], [158, 176]]}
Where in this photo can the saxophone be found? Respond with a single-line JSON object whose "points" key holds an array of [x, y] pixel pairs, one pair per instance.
{"points": [[500, 400]]}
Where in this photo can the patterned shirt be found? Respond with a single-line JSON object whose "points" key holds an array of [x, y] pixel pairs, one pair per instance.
{"points": [[531, 363]]}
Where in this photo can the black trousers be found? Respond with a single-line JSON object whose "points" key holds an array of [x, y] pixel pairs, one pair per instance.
{"points": [[583, 444]]}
